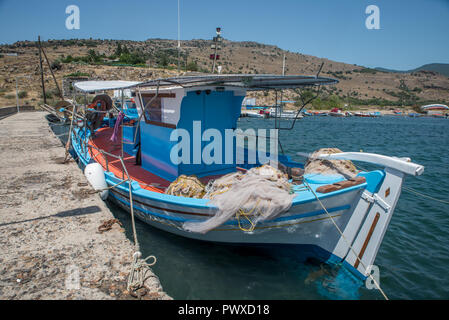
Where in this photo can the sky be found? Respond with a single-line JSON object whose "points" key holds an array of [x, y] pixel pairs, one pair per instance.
{"points": [[412, 32]]}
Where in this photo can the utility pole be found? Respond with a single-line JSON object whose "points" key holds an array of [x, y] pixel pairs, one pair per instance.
{"points": [[283, 66], [42, 71], [216, 45], [283, 74]]}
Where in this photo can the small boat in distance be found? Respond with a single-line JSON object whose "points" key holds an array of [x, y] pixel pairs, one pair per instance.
{"points": [[336, 112], [285, 114], [436, 110], [362, 114]]}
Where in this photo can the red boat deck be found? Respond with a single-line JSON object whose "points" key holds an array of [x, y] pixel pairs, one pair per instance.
{"points": [[102, 141], [146, 179]]}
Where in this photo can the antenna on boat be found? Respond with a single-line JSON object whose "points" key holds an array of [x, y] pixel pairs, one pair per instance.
{"points": [[179, 39], [216, 46]]}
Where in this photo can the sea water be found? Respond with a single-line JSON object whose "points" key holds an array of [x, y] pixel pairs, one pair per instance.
{"points": [[412, 259]]}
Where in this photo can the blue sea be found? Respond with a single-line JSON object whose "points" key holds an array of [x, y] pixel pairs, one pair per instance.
{"points": [[413, 259]]}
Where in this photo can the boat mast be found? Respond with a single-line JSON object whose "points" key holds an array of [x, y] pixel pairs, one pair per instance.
{"points": [[217, 41], [179, 40], [283, 74]]}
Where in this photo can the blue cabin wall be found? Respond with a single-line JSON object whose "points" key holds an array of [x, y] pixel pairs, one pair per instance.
{"points": [[155, 150], [215, 109], [129, 145]]}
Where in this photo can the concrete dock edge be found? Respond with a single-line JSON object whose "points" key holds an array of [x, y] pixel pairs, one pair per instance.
{"points": [[50, 246]]}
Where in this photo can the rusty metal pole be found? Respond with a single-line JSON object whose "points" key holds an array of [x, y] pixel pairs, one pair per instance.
{"points": [[42, 71]]}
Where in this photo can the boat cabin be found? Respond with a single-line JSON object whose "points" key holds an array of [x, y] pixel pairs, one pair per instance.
{"points": [[174, 128], [185, 125]]}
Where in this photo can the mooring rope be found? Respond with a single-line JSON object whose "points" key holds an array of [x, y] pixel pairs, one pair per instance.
{"points": [[424, 195], [139, 266], [347, 242], [411, 189]]}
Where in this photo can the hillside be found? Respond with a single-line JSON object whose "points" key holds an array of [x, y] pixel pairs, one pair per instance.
{"points": [[441, 68], [140, 60]]}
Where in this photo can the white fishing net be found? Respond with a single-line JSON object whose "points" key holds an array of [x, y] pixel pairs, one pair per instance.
{"points": [[344, 168], [260, 194]]}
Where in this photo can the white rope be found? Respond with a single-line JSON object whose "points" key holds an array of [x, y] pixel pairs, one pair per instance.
{"points": [[413, 190], [424, 195], [139, 267], [347, 242]]}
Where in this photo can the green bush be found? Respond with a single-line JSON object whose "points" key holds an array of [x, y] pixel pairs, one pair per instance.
{"points": [[132, 58], [22, 94], [192, 66], [77, 74], [56, 65], [48, 95]]}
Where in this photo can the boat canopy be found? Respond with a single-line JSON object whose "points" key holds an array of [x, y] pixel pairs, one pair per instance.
{"points": [[249, 82], [91, 86]]}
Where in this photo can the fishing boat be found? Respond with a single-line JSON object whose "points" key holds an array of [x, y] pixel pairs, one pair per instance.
{"points": [[307, 113], [251, 114], [335, 112], [436, 110], [331, 217], [414, 115], [285, 114], [362, 114]]}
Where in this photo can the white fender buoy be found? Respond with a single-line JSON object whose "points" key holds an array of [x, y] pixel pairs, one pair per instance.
{"points": [[95, 175]]}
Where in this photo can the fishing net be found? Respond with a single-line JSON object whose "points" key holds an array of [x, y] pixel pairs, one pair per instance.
{"points": [[260, 194], [330, 167], [186, 186]]}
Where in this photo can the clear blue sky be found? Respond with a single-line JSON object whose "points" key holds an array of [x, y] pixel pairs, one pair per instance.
{"points": [[412, 32]]}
